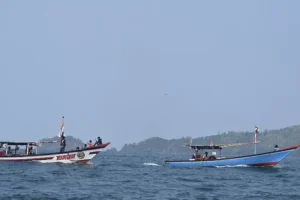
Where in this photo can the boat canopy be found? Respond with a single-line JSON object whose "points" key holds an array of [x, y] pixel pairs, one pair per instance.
{"points": [[221, 146], [205, 147], [26, 143], [19, 143]]}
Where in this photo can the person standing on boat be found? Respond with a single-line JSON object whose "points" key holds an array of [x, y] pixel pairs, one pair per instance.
{"points": [[62, 143], [62, 136], [256, 130]]}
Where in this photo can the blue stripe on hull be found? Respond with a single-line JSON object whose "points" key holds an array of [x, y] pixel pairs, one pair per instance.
{"points": [[272, 157]]}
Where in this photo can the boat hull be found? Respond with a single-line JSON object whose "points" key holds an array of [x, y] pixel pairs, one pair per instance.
{"points": [[268, 159], [78, 156]]}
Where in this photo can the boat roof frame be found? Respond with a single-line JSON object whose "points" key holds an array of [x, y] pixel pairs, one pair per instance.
{"points": [[19, 143], [200, 147]]}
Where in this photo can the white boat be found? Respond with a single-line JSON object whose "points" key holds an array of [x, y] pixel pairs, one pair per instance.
{"points": [[74, 156], [83, 155]]}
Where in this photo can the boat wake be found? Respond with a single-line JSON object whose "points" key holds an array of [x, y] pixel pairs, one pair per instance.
{"points": [[151, 164]]}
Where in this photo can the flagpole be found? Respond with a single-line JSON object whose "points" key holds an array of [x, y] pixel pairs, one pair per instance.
{"points": [[62, 128], [255, 143]]}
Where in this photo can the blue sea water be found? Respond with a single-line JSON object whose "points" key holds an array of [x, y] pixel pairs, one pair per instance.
{"points": [[144, 176]]}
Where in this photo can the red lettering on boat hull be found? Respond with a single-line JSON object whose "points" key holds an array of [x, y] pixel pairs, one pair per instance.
{"points": [[66, 157]]}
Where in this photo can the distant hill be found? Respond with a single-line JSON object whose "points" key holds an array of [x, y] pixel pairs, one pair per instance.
{"points": [[268, 138], [71, 143], [110, 150]]}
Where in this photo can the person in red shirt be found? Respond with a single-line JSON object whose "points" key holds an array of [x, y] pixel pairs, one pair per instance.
{"points": [[90, 144]]}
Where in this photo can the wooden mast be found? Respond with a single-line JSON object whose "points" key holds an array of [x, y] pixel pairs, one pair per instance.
{"points": [[255, 135]]}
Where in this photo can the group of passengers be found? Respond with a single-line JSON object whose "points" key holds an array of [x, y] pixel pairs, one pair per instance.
{"points": [[197, 156], [28, 150], [90, 144]]}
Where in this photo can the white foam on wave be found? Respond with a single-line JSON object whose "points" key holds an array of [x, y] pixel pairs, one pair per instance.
{"points": [[151, 164]]}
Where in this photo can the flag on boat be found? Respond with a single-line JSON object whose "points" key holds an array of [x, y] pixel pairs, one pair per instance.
{"points": [[62, 128], [256, 130]]}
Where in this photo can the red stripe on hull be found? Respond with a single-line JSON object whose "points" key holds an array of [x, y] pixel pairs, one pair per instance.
{"points": [[94, 152], [101, 146], [83, 161], [28, 159], [291, 147], [269, 164]]}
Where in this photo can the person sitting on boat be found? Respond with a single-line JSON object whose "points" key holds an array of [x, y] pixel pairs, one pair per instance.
{"points": [[8, 150], [213, 156], [90, 144], [62, 143], [276, 148], [98, 142], [30, 150], [84, 147], [196, 155], [205, 155], [16, 149]]}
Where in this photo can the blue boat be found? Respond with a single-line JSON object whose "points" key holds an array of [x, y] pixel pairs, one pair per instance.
{"points": [[267, 159]]}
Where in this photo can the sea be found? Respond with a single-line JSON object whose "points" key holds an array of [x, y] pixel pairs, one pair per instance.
{"points": [[144, 176]]}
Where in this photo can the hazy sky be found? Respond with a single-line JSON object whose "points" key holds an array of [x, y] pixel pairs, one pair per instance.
{"points": [[107, 65]]}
